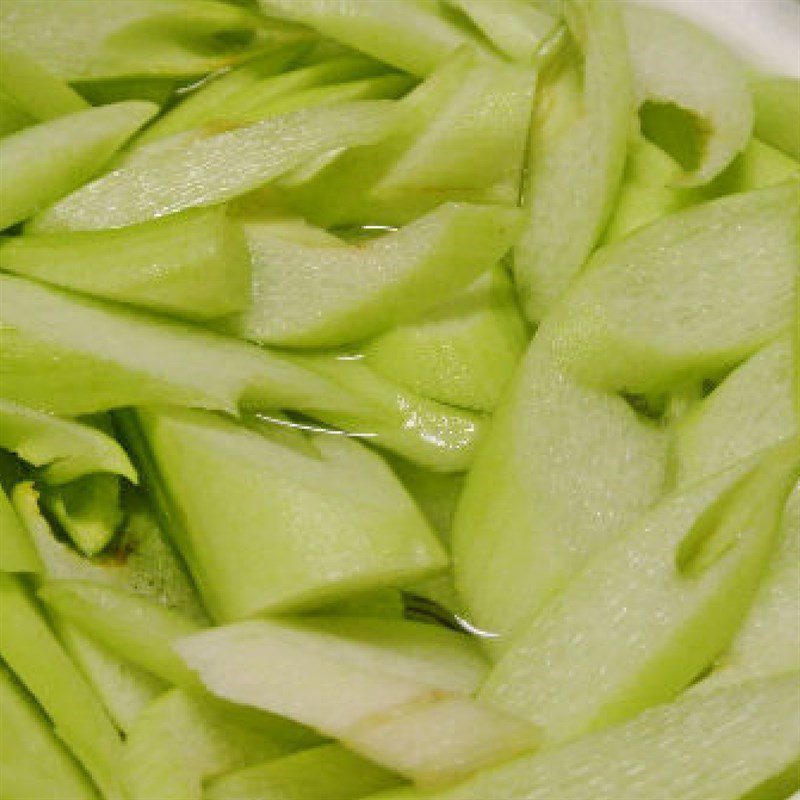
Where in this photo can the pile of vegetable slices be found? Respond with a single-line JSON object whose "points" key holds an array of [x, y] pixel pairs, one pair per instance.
{"points": [[398, 399]]}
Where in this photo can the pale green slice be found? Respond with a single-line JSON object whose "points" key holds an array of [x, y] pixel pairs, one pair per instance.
{"points": [[263, 526], [193, 264], [777, 104], [463, 352], [45, 162], [686, 298], [69, 354], [92, 39], [311, 295], [722, 746], [197, 737], [517, 28], [410, 723], [654, 607], [211, 169], [30, 649], [33, 764], [12, 117], [33, 89], [17, 552], [63, 449], [328, 771], [675, 62], [564, 223], [411, 36]]}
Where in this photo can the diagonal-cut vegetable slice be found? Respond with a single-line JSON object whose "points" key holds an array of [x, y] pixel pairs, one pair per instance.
{"points": [[264, 526], [33, 763], [17, 552], [12, 117], [193, 264], [312, 295], [411, 36], [675, 62], [777, 105], [346, 689], [676, 586], [44, 162], [64, 449], [576, 169], [179, 173], [73, 355], [31, 650], [734, 743]]}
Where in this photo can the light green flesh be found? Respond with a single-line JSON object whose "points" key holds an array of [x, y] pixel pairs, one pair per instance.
{"points": [[383, 413], [461, 353], [209, 169], [358, 290], [199, 737], [677, 585], [62, 449], [17, 552], [92, 39], [410, 36], [667, 54], [516, 27], [589, 151], [267, 527], [193, 264], [134, 628], [69, 354], [30, 649], [33, 89], [12, 117], [33, 764], [777, 106], [45, 162], [328, 771], [414, 724], [716, 747]]}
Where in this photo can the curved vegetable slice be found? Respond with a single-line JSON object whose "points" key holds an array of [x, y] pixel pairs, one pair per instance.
{"points": [[727, 745], [180, 172], [310, 295], [675, 62], [676, 585], [64, 449], [193, 264], [44, 162], [72, 355], [777, 103], [17, 553], [564, 222]]}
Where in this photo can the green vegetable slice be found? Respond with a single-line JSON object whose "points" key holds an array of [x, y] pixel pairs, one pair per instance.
{"points": [[356, 291], [203, 170], [675, 62], [17, 553], [33, 763], [777, 107], [45, 162], [587, 151], [193, 264]]}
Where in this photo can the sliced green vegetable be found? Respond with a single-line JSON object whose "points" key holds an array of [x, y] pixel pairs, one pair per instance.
{"points": [[668, 54], [411, 36], [33, 89], [17, 553], [73, 355], [588, 151], [777, 104], [33, 764], [12, 117], [717, 747], [358, 290], [198, 737], [63, 449], [213, 168], [677, 585], [328, 771], [30, 649], [45, 162], [463, 352], [193, 264]]}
